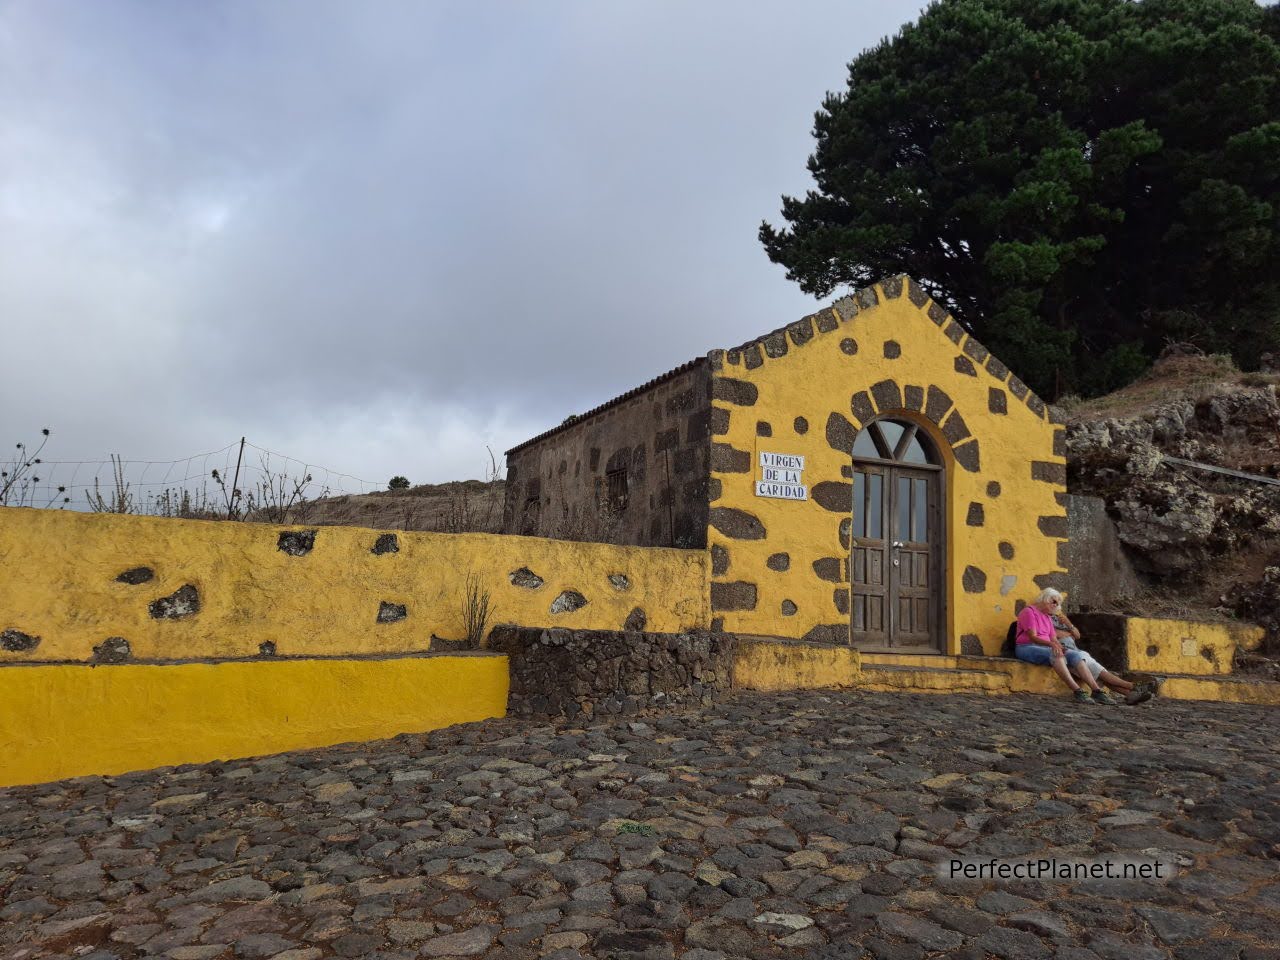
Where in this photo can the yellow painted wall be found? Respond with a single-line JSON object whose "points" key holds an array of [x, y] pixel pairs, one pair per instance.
{"points": [[772, 666], [799, 377], [1187, 646], [58, 582], [70, 720]]}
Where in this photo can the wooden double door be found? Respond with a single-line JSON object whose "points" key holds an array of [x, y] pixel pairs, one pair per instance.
{"points": [[895, 554]]}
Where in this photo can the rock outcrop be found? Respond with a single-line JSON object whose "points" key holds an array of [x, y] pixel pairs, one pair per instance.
{"points": [[1175, 519], [1202, 533]]}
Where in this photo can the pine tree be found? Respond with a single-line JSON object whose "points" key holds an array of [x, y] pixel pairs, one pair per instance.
{"points": [[1079, 181]]}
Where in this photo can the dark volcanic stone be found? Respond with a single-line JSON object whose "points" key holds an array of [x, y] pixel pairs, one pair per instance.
{"points": [[183, 602], [737, 524], [112, 650], [524, 577], [391, 612], [297, 543], [15, 641], [738, 595], [568, 601]]}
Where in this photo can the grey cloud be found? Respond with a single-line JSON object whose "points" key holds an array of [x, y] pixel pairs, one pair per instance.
{"points": [[378, 236]]}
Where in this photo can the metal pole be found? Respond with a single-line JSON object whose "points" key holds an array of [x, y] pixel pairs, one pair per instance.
{"points": [[235, 484]]}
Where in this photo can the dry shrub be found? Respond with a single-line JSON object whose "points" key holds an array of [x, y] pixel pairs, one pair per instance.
{"points": [[477, 610]]}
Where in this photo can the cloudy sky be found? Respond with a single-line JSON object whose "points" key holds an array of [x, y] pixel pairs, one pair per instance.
{"points": [[377, 236]]}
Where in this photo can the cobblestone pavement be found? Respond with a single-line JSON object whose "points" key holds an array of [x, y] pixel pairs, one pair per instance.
{"points": [[772, 826]]}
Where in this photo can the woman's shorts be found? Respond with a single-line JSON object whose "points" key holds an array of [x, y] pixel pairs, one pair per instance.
{"points": [[1094, 666], [1043, 656]]}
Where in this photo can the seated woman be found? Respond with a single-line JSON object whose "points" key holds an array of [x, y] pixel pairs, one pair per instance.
{"points": [[1069, 636], [1038, 643]]}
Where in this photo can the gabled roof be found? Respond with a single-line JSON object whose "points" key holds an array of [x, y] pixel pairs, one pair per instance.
{"points": [[777, 343], [575, 419]]}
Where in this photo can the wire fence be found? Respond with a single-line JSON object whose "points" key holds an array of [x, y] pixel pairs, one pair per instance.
{"points": [[242, 476]]}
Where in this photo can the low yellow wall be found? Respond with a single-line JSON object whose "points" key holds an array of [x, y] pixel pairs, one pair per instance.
{"points": [[60, 584], [1187, 646], [72, 720], [771, 665], [1257, 692]]}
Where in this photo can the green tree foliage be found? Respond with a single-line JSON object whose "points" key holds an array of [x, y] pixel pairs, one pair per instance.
{"points": [[1078, 181], [398, 483]]}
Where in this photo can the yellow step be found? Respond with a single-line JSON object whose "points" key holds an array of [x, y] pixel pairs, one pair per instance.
{"points": [[893, 677], [927, 660]]}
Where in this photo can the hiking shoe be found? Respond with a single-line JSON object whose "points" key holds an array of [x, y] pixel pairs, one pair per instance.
{"points": [[1080, 696], [1139, 695], [1103, 697]]}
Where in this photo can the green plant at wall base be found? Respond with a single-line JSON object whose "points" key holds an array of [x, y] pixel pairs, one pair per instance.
{"points": [[477, 610]]}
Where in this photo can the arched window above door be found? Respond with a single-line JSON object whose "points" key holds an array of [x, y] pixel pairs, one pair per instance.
{"points": [[897, 441]]}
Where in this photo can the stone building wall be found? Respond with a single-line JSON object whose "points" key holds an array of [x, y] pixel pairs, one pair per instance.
{"points": [[1099, 570], [633, 471], [781, 567], [581, 673]]}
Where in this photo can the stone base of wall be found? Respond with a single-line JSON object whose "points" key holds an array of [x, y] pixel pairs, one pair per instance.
{"points": [[581, 673]]}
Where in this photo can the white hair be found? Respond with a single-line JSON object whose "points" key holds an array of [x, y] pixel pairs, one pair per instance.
{"points": [[1047, 594]]}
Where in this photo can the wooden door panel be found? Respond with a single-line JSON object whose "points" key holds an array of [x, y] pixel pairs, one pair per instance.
{"points": [[914, 572], [868, 558], [915, 539], [875, 614]]}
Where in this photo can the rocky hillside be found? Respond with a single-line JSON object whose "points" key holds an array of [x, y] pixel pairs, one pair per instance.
{"points": [[1206, 543], [462, 507]]}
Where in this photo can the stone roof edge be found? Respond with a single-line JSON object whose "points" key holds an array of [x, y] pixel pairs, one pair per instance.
{"points": [[575, 419], [777, 343]]}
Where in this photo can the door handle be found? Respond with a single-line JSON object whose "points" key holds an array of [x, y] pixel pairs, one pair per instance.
{"points": [[898, 544]]}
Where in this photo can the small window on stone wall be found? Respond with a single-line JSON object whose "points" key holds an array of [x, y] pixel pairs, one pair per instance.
{"points": [[617, 489]]}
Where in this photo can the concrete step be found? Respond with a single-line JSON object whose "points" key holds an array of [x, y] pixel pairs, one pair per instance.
{"points": [[764, 663], [1234, 689], [1006, 675], [1028, 678], [928, 660], [895, 677]]}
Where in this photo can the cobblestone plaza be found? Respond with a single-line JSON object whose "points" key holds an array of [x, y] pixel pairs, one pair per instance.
{"points": [[802, 825]]}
